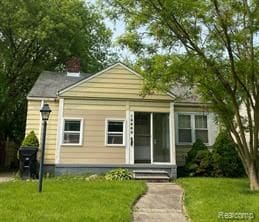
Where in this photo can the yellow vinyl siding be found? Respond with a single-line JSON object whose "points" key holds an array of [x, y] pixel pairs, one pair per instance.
{"points": [[115, 83], [33, 123], [94, 113], [93, 149], [33, 117], [51, 137], [149, 106]]}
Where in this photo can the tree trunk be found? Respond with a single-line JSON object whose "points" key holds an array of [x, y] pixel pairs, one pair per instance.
{"points": [[253, 177]]}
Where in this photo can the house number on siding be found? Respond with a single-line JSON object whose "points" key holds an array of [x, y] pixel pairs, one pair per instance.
{"points": [[131, 129]]}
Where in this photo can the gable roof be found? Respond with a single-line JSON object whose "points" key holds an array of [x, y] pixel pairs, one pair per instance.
{"points": [[99, 73], [49, 83]]}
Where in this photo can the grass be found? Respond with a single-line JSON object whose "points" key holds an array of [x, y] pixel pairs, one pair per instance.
{"points": [[69, 200], [206, 197]]}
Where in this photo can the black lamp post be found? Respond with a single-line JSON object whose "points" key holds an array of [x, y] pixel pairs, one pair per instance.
{"points": [[45, 111]]}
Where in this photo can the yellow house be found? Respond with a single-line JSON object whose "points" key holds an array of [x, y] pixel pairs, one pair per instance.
{"points": [[100, 122]]}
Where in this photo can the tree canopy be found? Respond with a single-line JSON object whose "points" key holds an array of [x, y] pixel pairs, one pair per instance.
{"points": [[208, 43], [38, 35]]}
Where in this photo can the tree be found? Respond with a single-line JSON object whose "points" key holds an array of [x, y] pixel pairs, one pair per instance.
{"points": [[224, 158], [209, 43], [38, 35]]}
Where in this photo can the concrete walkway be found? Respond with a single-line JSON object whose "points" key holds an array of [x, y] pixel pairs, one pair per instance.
{"points": [[4, 177], [161, 203]]}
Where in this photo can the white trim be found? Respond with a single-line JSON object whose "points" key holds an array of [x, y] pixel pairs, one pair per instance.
{"points": [[106, 131], [192, 114], [172, 134], [41, 98], [132, 151], [73, 74], [59, 130], [81, 131], [160, 163], [151, 138], [127, 150], [171, 95]]}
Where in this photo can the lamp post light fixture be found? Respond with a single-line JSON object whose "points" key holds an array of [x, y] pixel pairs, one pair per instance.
{"points": [[45, 111]]}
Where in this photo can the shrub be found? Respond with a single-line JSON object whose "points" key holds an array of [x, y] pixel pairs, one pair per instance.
{"points": [[31, 140], [197, 146], [225, 160], [198, 162], [118, 174]]}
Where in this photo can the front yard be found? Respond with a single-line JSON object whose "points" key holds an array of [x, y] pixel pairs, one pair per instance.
{"points": [[69, 200], [215, 199]]}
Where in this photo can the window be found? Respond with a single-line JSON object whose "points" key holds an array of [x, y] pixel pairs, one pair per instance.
{"points": [[201, 128], [115, 132], [185, 129], [72, 131], [192, 127]]}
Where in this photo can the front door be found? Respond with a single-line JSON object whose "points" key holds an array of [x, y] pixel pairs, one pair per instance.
{"points": [[142, 137], [161, 138], [151, 137]]}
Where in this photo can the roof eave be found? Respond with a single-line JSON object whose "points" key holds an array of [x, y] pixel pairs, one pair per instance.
{"points": [[41, 98]]}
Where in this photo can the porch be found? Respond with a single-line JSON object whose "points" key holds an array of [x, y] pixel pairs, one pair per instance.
{"points": [[61, 169]]}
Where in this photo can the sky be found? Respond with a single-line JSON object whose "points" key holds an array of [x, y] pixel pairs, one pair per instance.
{"points": [[117, 28]]}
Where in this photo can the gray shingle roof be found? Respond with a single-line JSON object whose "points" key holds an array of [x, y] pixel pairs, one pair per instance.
{"points": [[185, 94], [49, 83]]}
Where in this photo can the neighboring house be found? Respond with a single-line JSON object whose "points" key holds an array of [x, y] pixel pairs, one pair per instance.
{"points": [[99, 122]]}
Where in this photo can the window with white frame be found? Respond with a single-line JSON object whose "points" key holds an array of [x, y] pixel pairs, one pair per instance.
{"points": [[72, 131], [184, 128], [192, 127], [201, 128], [115, 132]]}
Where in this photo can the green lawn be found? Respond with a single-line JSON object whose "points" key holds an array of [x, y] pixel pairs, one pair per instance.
{"points": [[69, 200], [206, 197]]}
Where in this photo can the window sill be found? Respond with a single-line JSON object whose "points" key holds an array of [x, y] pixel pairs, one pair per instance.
{"points": [[117, 145], [189, 144], [71, 144]]}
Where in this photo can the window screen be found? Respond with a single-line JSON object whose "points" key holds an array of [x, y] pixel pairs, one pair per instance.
{"points": [[115, 132], [72, 131]]}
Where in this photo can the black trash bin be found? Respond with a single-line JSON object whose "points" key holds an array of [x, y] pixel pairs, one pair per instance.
{"points": [[28, 164]]}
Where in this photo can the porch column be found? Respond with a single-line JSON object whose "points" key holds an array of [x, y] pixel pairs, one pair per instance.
{"points": [[172, 134], [129, 152]]}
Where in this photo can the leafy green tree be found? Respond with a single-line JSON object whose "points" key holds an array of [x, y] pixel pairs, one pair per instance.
{"points": [[209, 43], [225, 160], [42, 34]]}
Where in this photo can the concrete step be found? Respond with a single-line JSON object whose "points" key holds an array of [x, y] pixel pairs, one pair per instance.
{"points": [[151, 171], [151, 175]]}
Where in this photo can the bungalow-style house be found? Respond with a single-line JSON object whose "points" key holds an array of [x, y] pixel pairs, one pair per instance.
{"points": [[100, 122]]}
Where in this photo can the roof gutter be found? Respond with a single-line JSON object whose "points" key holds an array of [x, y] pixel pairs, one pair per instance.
{"points": [[41, 98], [193, 104]]}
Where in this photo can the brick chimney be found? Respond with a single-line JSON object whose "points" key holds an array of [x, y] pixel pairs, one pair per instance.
{"points": [[73, 67]]}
